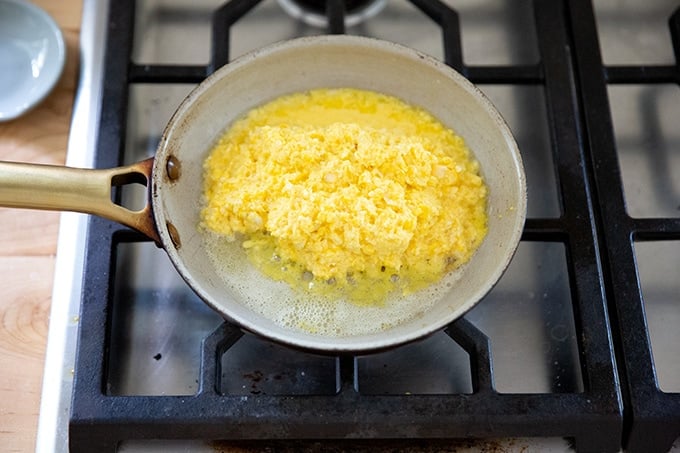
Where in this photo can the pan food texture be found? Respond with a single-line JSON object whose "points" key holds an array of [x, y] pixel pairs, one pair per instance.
{"points": [[332, 62], [354, 199]]}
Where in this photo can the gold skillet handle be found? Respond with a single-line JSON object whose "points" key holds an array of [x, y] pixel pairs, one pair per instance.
{"points": [[57, 188]]}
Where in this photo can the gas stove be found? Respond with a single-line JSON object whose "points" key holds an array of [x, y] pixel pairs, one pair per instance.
{"points": [[573, 349]]}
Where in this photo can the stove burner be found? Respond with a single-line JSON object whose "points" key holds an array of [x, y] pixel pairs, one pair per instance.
{"points": [[312, 12]]}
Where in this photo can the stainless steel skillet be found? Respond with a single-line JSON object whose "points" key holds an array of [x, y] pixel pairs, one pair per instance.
{"points": [[174, 175]]}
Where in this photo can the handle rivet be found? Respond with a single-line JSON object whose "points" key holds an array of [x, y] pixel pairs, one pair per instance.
{"points": [[173, 168], [174, 235]]}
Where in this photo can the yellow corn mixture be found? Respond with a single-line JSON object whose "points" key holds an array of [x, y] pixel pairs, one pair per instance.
{"points": [[346, 192]]}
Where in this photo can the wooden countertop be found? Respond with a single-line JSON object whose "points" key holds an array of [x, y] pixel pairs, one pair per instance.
{"points": [[28, 246]]}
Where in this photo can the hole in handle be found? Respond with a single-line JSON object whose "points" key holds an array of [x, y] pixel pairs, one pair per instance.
{"points": [[130, 190]]}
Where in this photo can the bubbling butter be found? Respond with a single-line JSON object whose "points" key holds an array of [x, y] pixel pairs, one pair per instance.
{"points": [[344, 195], [313, 311]]}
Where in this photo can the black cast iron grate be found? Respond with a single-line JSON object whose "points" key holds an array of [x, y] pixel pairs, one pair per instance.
{"points": [[573, 79], [651, 416]]}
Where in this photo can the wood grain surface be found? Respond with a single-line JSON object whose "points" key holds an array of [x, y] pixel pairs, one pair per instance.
{"points": [[28, 245]]}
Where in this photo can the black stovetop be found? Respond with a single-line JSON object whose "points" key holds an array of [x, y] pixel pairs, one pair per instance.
{"points": [[617, 400]]}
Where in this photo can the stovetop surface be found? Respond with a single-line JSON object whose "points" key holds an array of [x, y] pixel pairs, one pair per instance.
{"points": [[549, 353]]}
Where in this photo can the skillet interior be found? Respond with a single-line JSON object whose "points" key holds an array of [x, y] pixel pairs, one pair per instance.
{"points": [[326, 62]]}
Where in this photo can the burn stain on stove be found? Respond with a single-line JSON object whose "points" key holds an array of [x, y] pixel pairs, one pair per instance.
{"points": [[374, 446], [257, 378], [253, 366]]}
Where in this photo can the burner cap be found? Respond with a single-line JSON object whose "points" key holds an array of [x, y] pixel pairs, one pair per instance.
{"points": [[312, 12]]}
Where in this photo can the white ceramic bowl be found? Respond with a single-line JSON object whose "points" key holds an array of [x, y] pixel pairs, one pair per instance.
{"points": [[32, 56]]}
